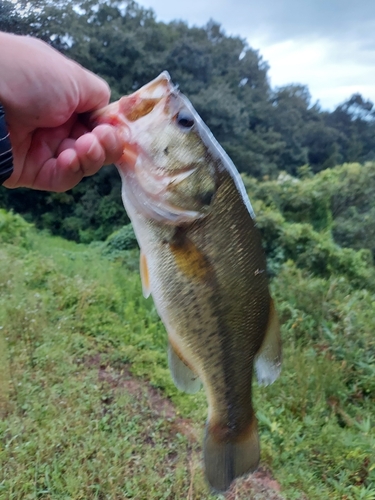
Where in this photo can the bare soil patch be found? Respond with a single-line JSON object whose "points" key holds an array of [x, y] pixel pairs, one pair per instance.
{"points": [[260, 485]]}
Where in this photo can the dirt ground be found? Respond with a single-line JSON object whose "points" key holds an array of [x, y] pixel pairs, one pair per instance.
{"points": [[257, 486]]}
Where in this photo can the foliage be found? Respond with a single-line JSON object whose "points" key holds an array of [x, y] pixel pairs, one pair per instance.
{"points": [[14, 229], [337, 201], [117, 244], [265, 131], [10, 18], [91, 211], [78, 330], [123, 239]]}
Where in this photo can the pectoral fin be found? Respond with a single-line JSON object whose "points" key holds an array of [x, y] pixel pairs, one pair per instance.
{"points": [[144, 276], [268, 358], [183, 377]]}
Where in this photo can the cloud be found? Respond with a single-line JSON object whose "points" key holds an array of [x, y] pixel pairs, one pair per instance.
{"points": [[332, 19], [328, 45], [277, 20], [332, 73]]}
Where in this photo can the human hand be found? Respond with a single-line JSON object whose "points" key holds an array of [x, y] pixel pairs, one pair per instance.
{"points": [[43, 94]]}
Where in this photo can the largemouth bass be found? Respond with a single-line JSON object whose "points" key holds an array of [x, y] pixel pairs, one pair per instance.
{"points": [[202, 262]]}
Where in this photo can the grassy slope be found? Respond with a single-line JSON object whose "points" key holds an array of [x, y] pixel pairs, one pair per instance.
{"points": [[77, 426]]}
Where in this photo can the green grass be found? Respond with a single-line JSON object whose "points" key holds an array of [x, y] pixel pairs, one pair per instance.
{"points": [[90, 411]]}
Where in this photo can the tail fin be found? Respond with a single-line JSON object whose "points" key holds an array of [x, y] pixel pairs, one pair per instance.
{"points": [[226, 459]]}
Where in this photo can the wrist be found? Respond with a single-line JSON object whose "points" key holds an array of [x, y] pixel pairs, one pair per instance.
{"points": [[6, 157]]}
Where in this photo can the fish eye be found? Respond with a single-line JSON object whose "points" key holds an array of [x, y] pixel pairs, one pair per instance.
{"points": [[185, 120]]}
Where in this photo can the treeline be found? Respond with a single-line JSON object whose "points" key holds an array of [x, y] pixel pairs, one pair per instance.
{"points": [[325, 223], [264, 130]]}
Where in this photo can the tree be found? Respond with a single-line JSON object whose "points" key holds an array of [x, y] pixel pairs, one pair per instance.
{"points": [[322, 143], [264, 131], [291, 113], [355, 120]]}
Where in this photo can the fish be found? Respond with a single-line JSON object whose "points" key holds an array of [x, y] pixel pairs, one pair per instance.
{"points": [[203, 264]]}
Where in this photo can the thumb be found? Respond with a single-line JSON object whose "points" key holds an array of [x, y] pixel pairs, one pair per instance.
{"points": [[93, 91]]}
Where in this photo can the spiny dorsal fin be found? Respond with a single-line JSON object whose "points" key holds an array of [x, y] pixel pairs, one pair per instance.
{"points": [[268, 358], [183, 377]]}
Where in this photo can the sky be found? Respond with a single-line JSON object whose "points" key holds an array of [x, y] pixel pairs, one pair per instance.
{"points": [[328, 45]]}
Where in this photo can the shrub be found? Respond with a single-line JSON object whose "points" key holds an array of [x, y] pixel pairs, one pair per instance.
{"points": [[119, 242], [14, 229]]}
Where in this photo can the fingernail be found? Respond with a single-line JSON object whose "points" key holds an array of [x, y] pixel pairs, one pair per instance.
{"points": [[111, 141], [71, 159], [93, 152], [91, 148]]}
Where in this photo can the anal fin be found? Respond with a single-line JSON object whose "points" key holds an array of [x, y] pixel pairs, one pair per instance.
{"points": [[144, 276], [183, 377], [268, 358]]}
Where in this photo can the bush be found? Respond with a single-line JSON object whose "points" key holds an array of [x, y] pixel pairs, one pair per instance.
{"points": [[14, 229], [119, 242]]}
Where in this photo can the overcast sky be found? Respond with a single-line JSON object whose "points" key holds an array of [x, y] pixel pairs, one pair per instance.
{"points": [[328, 45]]}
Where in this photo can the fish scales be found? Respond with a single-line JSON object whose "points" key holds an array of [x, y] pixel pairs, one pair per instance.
{"points": [[204, 266]]}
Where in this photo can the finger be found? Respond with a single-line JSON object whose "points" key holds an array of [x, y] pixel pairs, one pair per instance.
{"points": [[59, 174], [94, 92], [111, 142], [68, 170], [90, 153], [47, 141], [57, 162], [65, 144], [71, 165]]}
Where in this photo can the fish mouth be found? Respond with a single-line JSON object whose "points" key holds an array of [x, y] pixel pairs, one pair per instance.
{"points": [[153, 192], [134, 106]]}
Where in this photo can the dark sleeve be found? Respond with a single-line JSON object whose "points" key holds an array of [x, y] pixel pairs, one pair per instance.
{"points": [[6, 157]]}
